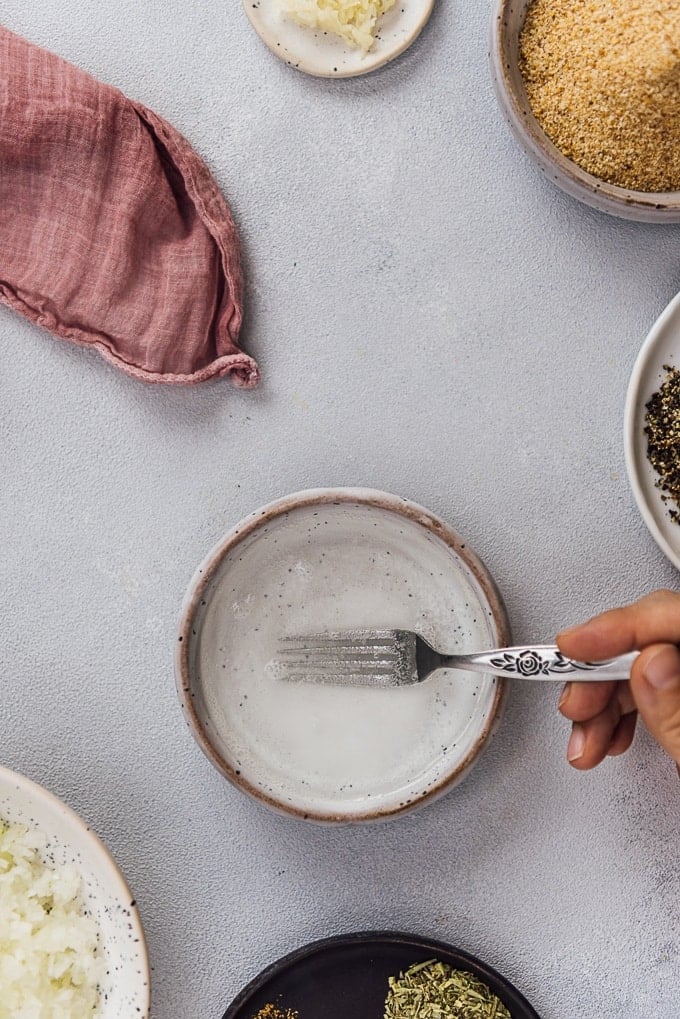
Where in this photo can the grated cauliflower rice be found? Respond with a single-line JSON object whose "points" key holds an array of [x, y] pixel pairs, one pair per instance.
{"points": [[353, 20], [49, 964]]}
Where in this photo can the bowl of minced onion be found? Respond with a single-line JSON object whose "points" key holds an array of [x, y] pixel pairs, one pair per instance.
{"points": [[71, 941], [589, 90]]}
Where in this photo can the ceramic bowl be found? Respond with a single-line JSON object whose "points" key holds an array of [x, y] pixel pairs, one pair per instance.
{"points": [[126, 986], [348, 975], [661, 347], [334, 559], [658, 207], [324, 55]]}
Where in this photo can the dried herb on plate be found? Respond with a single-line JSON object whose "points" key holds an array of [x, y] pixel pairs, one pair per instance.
{"points": [[271, 1011], [434, 990], [662, 428]]}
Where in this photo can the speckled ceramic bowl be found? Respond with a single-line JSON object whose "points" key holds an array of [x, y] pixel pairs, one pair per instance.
{"points": [[126, 988], [322, 54], [657, 207], [335, 559]]}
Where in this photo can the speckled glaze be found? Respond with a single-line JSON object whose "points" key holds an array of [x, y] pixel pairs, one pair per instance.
{"points": [[506, 26], [125, 990], [293, 535], [326, 56]]}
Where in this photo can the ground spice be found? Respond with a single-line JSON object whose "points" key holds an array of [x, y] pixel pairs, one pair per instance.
{"points": [[271, 1011], [603, 81], [662, 428], [434, 990]]}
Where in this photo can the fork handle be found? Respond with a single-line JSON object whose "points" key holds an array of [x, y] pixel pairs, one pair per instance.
{"points": [[542, 662]]}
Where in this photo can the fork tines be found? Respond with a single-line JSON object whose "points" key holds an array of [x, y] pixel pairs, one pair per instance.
{"points": [[374, 657]]}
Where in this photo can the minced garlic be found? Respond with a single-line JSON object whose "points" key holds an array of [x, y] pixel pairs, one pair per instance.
{"points": [[50, 962], [353, 20]]}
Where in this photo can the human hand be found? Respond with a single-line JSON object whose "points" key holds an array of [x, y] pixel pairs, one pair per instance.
{"points": [[604, 714]]}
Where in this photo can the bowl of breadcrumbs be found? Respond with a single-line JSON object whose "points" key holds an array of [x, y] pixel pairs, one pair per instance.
{"points": [[591, 90]]}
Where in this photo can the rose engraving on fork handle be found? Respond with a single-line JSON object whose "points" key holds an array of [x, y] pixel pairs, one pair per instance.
{"points": [[531, 663]]}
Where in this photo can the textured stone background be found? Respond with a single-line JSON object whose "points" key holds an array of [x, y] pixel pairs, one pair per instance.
{"points": [[433, 319]]}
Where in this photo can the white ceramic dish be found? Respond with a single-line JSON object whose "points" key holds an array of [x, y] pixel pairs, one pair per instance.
{"points": [[126, 987], [506, 26], [326, 56], [334, 559], [661, 347]]}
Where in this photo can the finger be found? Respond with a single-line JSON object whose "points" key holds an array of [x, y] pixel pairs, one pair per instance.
{"points": [[625, 698], [581, 701], [652, 620], [655, 685], [590, 741], [623, 734]]}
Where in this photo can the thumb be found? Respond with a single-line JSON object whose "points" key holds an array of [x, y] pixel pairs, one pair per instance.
{"points": [[655, 685]]}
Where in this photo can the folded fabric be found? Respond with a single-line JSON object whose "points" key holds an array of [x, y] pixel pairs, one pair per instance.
{"points": [[113, 233]]}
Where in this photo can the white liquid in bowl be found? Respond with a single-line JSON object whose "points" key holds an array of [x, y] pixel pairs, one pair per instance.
{"points": [[332, 750]]}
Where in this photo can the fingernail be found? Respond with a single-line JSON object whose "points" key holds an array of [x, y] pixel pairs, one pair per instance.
{"points": [[663, 670], [564, 696], [577, 743]]}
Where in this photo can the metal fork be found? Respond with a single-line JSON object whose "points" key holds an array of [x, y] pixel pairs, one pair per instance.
{"points": [[402, 658]]}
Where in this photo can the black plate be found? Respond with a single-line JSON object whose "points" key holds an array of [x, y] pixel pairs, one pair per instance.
{"points": [[347, 976]]}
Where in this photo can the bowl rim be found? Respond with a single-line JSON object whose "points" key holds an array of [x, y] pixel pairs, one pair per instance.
{"points": [[36, 792], [371, 61], [204, 574], [649, 206], [633, 419], [370, 939]]}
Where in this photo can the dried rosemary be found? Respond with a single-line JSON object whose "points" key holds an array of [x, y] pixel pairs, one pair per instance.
{"points": [[662, 428], [434, 990]]}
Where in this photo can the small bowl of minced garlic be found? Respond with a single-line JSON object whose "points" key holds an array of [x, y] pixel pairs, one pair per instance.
{"points": [[338, 38], [591, 90], [71, 939]]}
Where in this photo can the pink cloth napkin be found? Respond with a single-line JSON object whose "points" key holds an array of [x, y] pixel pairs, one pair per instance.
{"points": [[113, 233]]}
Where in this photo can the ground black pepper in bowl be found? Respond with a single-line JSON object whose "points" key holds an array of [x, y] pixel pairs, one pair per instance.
{"points": [[662, 428]]}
